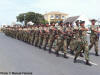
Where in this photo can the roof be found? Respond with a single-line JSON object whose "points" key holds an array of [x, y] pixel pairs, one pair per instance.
{"points": [[55, 12], [71, 19]]}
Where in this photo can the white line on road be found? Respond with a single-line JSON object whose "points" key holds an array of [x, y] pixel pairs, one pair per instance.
{"points": [[83, 60], [80, 58]]}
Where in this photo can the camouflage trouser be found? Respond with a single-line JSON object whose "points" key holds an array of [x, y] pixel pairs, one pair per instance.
{"points": [[30, 39], [68, 41], [93, 42], [40, 41], [33, 39], [45, 41], [72, 44], [50, 42], [82, 46], [36, 40], [25, 37], [17, 35], [61, 44]]}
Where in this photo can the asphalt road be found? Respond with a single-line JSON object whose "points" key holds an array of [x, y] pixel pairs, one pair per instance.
{"points": [[17, 56]]}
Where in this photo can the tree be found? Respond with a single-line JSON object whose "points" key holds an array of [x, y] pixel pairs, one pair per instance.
{"points": [[31, 16]]}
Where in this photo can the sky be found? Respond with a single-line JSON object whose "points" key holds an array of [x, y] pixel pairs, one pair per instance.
{"points": [[9, 9]]}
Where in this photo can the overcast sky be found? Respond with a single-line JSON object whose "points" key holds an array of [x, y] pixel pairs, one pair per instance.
{"points": [[9, 9]]}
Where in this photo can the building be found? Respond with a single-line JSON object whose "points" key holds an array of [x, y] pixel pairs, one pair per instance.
{"points": [[73, 19], [55, 16]]}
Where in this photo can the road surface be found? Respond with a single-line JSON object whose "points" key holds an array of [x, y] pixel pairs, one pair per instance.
{"points": [[17, 56]]}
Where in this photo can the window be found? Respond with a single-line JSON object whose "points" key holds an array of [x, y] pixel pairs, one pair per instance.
{"points": [[57, 17], [63, 17], [52, 17]]}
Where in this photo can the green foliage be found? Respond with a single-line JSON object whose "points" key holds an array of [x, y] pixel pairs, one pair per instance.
{"points": [[31, 16]]}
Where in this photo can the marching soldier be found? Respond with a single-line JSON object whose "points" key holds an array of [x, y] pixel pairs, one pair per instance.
{"points": [[68, 34], [46, 36], [72, 39], [94, 38], [41, 36], [76, 37], [52, 36], [36, 36], [83, 44], [33, 35], [61, 41]]}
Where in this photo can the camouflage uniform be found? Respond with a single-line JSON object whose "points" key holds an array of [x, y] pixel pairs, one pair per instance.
{"points": [[94, 38], [36, 36], [83, 45], [52, 37], [41, 36], [61, 41], [33, 35], [72, 39], [46, 37]]}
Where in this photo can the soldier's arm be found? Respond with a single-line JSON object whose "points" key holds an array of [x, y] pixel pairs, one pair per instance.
{"points": [[84, 29], [96, 31]]}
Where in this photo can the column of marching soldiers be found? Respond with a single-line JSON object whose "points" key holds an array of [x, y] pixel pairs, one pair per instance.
{"points": [[63, 37]]}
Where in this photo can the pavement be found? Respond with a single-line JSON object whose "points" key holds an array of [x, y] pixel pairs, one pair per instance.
{"points": [[17, 56]]}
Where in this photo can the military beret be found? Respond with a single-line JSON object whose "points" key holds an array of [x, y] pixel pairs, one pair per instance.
{"points": [[77, 21], [67, 23], [93, 20], [82, 22]]}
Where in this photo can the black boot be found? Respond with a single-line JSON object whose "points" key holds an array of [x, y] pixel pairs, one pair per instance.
{"points": [[88, 63], [75, 60], [81, 55], [40, 47], [57, 53], [96, 54], [49, 50], [35, 45], [65, 56], [44, 48], [72, 52]]}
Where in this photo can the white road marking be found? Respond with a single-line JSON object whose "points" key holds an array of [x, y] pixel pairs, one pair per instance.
{"points": [[80, 58]]}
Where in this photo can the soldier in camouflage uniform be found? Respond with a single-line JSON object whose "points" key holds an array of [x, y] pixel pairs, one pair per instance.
{"points": [[46, 36], [33, 35], [94, 38], [37, 31], [61, 41], [68, 34], [72, 39], [83, 44], [52, 36], [41, 36]]}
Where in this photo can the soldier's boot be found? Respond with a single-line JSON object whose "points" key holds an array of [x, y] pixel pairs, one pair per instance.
{"points": [[57, 53], [65, 56], [49, 50], [40, 47], [96, 54], [36, 44], [81, 55], [44, 48], [72, 52], [75, 60], [88, 63], [50, 47], [32, 42]]}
